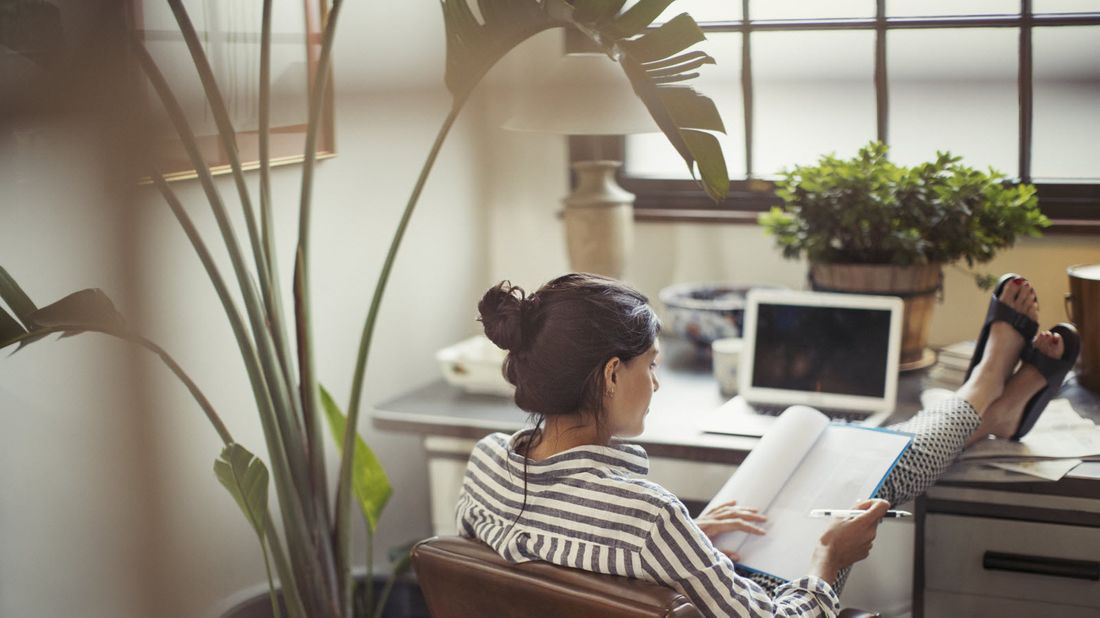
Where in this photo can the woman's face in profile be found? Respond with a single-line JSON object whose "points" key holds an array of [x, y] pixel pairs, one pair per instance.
{"points": [[635, 382]]}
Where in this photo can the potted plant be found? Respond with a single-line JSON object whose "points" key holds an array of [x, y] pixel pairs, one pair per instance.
{"points": [[310, 554], [868, 225]]}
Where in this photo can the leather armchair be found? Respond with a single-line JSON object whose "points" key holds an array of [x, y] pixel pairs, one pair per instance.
{"points": [[464, 578]]}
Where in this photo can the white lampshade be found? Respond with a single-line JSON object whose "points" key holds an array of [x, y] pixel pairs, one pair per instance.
{"points": [[584, 94]]}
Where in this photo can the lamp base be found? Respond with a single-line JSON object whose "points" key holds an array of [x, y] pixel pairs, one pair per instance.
{"points": [[599, 220]]}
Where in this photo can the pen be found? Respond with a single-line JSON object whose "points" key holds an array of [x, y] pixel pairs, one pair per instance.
{"points": [[845, 513]]}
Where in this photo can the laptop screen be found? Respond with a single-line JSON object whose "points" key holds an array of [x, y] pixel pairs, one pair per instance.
{"points": [[837, 350]]}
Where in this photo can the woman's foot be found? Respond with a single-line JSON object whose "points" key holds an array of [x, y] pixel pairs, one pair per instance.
{"points": [[1003, 416], [1002, 350]]}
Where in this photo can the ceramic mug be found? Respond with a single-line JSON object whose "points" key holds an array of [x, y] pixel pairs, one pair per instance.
{"points": [[726, 354]]}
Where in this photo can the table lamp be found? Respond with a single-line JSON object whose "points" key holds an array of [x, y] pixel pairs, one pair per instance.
{"points": [[588, 94]]}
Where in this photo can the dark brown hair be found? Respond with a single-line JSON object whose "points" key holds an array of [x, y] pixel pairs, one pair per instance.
{"points": [[560, 337]]}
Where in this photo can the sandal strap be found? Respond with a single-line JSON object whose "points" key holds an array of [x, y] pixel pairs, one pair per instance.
{"points": [[1046, 365], [1023, 324]]}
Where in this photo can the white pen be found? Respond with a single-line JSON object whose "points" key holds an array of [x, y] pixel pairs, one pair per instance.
{"points": [[846, 513]]}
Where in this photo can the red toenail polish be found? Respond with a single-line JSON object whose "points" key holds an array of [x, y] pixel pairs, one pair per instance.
{"points": [[1016, 281]]}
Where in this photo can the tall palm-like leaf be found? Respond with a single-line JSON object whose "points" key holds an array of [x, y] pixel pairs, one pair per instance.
{"points": [[651, 61]]}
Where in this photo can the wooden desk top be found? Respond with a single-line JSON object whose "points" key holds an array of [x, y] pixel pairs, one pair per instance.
{"points": [[687, 391]]}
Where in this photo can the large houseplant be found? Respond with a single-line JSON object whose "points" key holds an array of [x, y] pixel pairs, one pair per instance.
{"points": [[869, 225], [310, 555]]}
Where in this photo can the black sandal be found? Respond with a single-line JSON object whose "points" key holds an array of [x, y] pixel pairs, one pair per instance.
{"points": [[1054, 370], [1001, 312]]}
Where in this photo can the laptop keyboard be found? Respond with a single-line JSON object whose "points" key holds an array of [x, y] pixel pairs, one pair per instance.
{"points": [[834, 414]]}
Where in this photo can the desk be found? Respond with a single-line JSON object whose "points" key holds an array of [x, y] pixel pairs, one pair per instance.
{"points": [[694, 465]]}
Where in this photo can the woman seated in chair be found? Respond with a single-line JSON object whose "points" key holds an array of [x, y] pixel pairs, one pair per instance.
{"points": [[583, 353]]}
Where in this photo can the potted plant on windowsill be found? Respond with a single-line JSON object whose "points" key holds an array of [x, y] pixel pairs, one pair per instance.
{"points": [[309, 554], [868, 225]]}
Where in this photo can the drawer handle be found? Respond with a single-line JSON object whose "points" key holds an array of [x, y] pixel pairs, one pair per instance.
{"points": [[1041, 565]]}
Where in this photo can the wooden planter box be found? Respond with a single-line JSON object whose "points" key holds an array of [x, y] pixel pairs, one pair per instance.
{"points": [[918, 287]]}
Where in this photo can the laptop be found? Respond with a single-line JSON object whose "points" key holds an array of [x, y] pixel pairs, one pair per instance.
{"points": [[837, 353]]}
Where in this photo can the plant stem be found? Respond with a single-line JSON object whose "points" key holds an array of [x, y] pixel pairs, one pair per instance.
{"points": [[370, 567], [225, 131], [303, 299], [273, 293], [385, 596], [336, 583], [283, 441], [193, 388], [343, 488], [270, 582]]}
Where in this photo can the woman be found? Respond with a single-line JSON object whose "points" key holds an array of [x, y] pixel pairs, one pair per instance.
{"points": [[583, 354]]}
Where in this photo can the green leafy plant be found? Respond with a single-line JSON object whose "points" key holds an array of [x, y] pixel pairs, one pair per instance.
{"points": [[314, 567], [868, 210]]}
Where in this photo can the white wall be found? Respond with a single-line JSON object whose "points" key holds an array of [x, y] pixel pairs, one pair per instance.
{"points": [[76, 490]]}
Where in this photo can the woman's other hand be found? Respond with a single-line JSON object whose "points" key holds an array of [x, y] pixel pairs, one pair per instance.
{"points": [[728, 517], [847, 541]]}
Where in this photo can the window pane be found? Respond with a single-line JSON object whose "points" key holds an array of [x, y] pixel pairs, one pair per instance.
{"points": [[952, 7], [814, 94], [1065, 6], [651, 154], [808, 9], [954, 90], [1066, 130], [700, 10]]}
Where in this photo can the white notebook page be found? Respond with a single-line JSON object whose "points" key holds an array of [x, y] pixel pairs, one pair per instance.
{"points": [[839, 467]]}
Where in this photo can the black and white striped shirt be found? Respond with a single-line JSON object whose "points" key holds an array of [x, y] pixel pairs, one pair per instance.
{"points": [[589, 508]]}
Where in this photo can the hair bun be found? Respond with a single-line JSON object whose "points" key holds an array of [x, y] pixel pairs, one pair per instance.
{"points": [[501, 310]]}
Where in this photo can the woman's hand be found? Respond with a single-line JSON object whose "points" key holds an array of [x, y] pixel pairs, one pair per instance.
{"points": [[848, 541], [729, 517]]}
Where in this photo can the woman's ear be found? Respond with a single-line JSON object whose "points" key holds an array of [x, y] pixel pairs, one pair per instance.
{"points": [[609, 369]]}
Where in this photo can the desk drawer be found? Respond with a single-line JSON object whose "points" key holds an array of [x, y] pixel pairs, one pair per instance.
{"points": [[1011, 559], [956, 605]]}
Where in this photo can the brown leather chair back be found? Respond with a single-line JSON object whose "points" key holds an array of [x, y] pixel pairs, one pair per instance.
{"points": [[463, 578]]}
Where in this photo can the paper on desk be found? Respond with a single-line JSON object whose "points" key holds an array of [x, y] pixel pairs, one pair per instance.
{"points": [[1060, 433], [1047, 469], [981, 473]]}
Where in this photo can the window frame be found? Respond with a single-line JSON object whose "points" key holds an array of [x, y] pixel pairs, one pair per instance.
{"points": [[1072, 207]]}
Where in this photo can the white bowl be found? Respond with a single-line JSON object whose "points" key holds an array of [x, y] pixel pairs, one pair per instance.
{"points": [[475, 364]]}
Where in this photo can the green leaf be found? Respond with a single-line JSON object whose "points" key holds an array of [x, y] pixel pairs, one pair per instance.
{"points": [[473, 47], [596, 11], [712, 164], [245, 476], [9, 327], [76, 313], [672, 37], [690, 144], [691, 110], [16, 298], [637, 18], [368, 477], [88, 308]]}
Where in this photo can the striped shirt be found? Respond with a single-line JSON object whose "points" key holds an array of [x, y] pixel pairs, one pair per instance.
{"points": [[588, 508]]}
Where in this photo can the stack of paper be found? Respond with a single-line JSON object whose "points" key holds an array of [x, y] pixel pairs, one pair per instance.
{"points": [[951, 363], [1060, 440]]}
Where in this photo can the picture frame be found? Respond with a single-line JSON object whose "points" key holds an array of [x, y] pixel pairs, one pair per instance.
{"points": [[230, 31]]}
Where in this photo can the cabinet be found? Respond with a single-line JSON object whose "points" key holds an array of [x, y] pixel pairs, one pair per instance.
{"points": [[994, 552]]}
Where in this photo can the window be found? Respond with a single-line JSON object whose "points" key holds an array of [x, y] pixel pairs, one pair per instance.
{"points": [[1012, 84]]}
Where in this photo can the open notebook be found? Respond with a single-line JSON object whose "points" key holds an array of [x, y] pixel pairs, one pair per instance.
{"points": [[803, 462]]}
